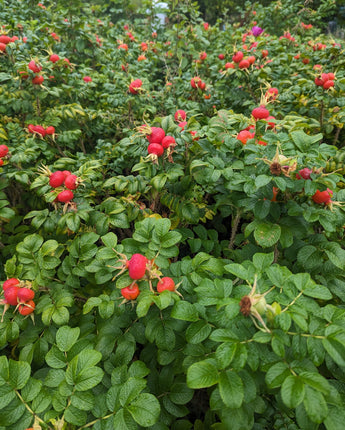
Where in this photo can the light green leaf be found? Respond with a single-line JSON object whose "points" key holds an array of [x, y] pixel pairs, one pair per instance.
{"points": [[185, 311], [145, 410], [66, 337], [19, 373], [231, 389], [202, 374], [292, 391], [267, 234], [315, 405]]}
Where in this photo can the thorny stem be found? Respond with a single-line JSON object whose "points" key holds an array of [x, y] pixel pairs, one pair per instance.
{"points": [[234, 227]]}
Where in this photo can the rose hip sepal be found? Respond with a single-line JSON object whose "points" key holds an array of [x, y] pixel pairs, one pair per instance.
{"points": [[27, 308]]}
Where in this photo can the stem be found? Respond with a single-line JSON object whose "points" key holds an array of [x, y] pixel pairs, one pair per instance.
{"points": [[322, 113], [95, 421], [38, 106], [293, 301], [276, 253], [82, 146], [336, 136], [29, 409], [306, 335], [234, 227]]}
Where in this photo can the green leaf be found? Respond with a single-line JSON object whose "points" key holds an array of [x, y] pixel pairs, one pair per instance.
{"points": [[335, 418], [225, 354], [55, 358], [267, 234], [60, 315], [90, 304], [315, 405], [263, 261], [292, 391], [19, 374], [7, 394], [66, 337], [334, 344], [88, 378], [336, 254], [162, 226], [112, 398], [304, 141], [11, 413], [130, 390], [124, 421], [202, 374], [110, 240], [145, 410], [143, 305], [83, 401], [138, 369], [75, 416], [318, 292], [198, 331], [277, 374], [4, 370], [262, 180], [170, 239], [180, 394], [308, 257], [185, 311], [31, 389], [316, 381], [238, 270], [231, 389]]}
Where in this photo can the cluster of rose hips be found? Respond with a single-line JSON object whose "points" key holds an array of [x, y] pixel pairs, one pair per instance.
{"points": [[259, 113], [37, 69], [5, 40], [40, 130], [3, 153], [319, 47], [320, 197], [196, 82], [181, 116], [288, 36], [243, 63], [158, 141], [54, 58], [20, 294], [325, 80], [306, 26], [64, 182], [141, 268], [37, 79]]}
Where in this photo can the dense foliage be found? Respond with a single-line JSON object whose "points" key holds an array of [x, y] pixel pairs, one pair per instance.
{"points": [[171, 220]]}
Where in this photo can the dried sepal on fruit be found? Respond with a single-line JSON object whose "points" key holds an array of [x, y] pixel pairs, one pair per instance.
{"points": [[254, 305], [281, 164]]}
